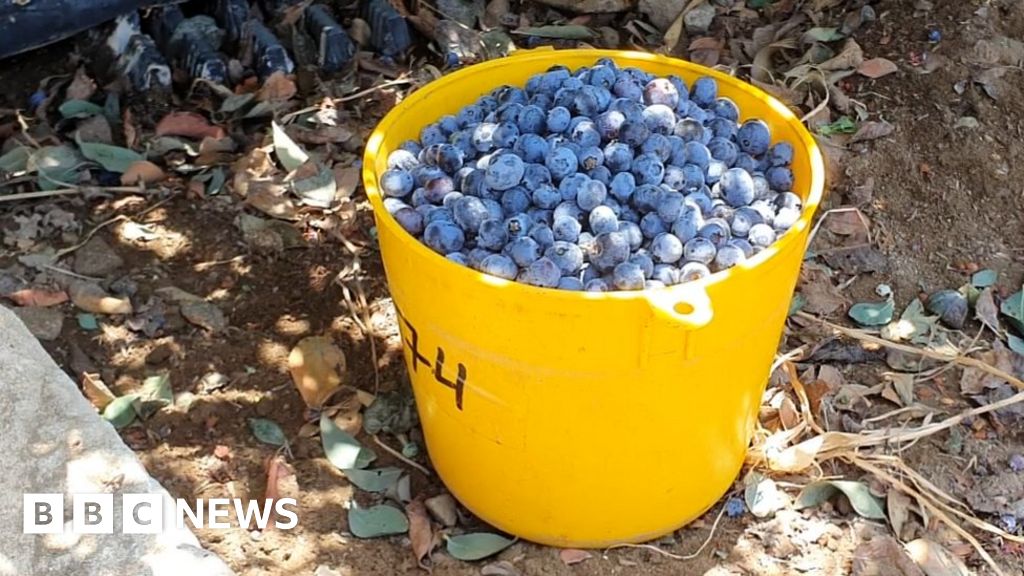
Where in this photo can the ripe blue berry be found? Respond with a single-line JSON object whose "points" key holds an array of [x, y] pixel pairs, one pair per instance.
{"points": [[541, 272], [443, 236], [499, 265], [666, 248], [754, 137]]}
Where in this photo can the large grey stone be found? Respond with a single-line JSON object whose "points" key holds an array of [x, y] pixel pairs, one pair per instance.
{"points": [[662, 13], [97, 258], [54, 442]]}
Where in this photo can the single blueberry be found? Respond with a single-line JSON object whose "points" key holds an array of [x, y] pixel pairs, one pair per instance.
{"points": [[690, 221], [443, 236], [546, 196], [728, 256], [746, 247], [542, 235], [780, 178], [542, 273], [499, 265], [566, 228], [689, 129], [648, 169], [410, 220], [781, 154], [627, 87], [632, 232], [569, 209], [723, 150], [596, 285], [601, 174], [699, 249], [403, 159], [754, 137], [532, 148], [659, 145], [561, 162], [726, 108], [492, 234], [602, 219], [666, 274], [569, 283], [785, 218], [666, 248], [659, 119], [571, 185], [651, 225], [432, 134], [515, 200], [661, 91], [585, 134], [591, 157], [761, 235], [469, 213], [628, 276], [634, 133], [746, 162], [591, 195], [704, 91], [743, 219], [722, 128], [396, 183], [411, 146], [523, 251], [670, 206], [609, 250], [701, 199], [646, 197], [737, 187], [566, 255], [504, 172], [693, 271], [715, 230]]}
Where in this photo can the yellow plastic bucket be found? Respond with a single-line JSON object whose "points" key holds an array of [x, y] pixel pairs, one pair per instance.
{"points": [[585, 419]]}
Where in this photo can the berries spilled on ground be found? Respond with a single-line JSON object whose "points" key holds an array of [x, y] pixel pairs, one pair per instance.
{"points": [[598, 179]]}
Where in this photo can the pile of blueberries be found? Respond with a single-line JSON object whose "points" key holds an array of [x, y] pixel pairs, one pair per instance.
{"points": [[601, 179]]}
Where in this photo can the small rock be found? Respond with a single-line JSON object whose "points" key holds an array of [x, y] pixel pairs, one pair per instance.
{"points": [[95, 129], [211, 382], [662, 13], [442, 508], [592, 6], [96, 258], [699, 19], [160, 354], [43, 323], [205, 315], [323, 570]]}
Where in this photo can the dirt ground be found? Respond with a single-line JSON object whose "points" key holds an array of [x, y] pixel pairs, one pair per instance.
{"points": [[942, 200]]}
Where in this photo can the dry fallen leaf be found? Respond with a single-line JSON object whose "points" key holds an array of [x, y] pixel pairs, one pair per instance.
{"points": [[269, 198], [570, 556], [317, 367], [38, 297], [883, 556], [877, 67], [847, 223], [96, 391], [92, 298], [822, 298], [347, 181], [851, 57], [277, 88], [189, 125], [420, 533], [82, 87], [872, 130], [144, 171], [935, 560], [281, 482]]}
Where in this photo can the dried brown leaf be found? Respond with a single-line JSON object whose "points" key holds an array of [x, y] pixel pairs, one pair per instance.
{"points": [[96, 391], [82, 87], [38, 297], [872, 130], [877, 68], [986, 310], [420, 533], [347, 180], [822, 298], [269, 198], [883, 556], [570, 556], [188, 125], [317, 367], [281, 482], [142, 171], [935, 560], [92, 298], [277, 88], [850, 58]]}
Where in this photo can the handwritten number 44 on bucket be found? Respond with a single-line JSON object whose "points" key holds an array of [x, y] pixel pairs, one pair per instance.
{"points": [[458, 385]]}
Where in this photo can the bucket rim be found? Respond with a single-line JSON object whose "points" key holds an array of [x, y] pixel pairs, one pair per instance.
{"points": [[815, 188]]}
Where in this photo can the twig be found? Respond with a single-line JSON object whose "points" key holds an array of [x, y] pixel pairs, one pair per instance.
{"points": [[203, 266], [65, 251], [70, 190], [714, 528], [863, 220], [401, 456], [34, 195], [956, 359], [817, 109], [372, 89], [363, 323], [59, 270]]}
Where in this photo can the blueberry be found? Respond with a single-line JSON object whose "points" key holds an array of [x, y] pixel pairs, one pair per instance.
{"points": [[618, 157], [488, 103], [448, 158], [596, 285], [728, 256], [491, 234], [781, 154], [587, 243], [396, 183], [515, 200], [601, 174], [725, 108], [542, 235], [666, 248], [716, 230], [626, 87], [746, 162], [681, 90], [629, 215], [678, 153], [761, 235], [541, 272], [411, 146], [566, 228], [469, 213], [697, 154], [659, 119], [634, 132], [788, 200], [693, 271], [393, 205], [540, 216], [675, 178], [666, 274], [689, 129], [628, 276], [761, 188], [670, 206], [458, 258], [518, 226], [535, 176], [609, 250], [737, 187], [450, 199], [587, 101], [722, 128], [690, 221], [499, 265], [423, 174], [403, 159], [715, 170], [532, 148], [700, 199], [504, 172], [743, 219], [438, 188], [569, 283], [571, 185], [591, 157], [648, 169], [493, 209], [720, 208], [569, 209], [483, 136], [472, 114], [661, 91], [632, 233], [443, 236], [602, 76], [723, 150], [532, 120], [659, 145], [746, 247], [609, 123], [546, 196], [505, 135], [602, 219], [565, 98], [699, 250], [561, 162], [558, 119], [552, 80], [785, 218], [764, 209], [523, 250], [754, 137], [651, 225], [704, 91], [780, 178], [463, 140], [419, 198], [630, 109], [471, 181], [646, 197], [585, 134], [566, 255], [432, 134], [591, 195], [410, 220]]}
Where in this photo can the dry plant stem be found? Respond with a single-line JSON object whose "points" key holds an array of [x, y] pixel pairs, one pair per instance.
{"points": [[651, 547], [372, 89], [958, 359], [401, 456], [364, 325], [817, 226], [60, 270], [34, 195], [934, 509], [801, 393]]}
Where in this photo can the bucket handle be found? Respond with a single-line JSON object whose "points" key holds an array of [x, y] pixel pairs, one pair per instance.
{"points": [[687, 304]]}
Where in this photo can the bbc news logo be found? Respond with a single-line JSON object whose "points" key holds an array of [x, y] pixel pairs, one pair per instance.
{"points": [[152, 514]]}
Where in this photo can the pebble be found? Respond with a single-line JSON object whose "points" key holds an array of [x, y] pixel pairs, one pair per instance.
{"points": [[43, 323], [160, 354], [442, 508], [204, 314], [97, 258], [661, 13], [698, 20]]}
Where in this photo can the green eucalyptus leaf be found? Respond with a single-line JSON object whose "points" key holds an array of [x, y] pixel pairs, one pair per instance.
{"points": [[860, 496], [378, 480], [566, 32], [377, 521], [984, 278], [477, 546], [79, 109], [112, 158], [290, 154], [873, 313], [267, 431], [341, 448], [122, 411]]}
